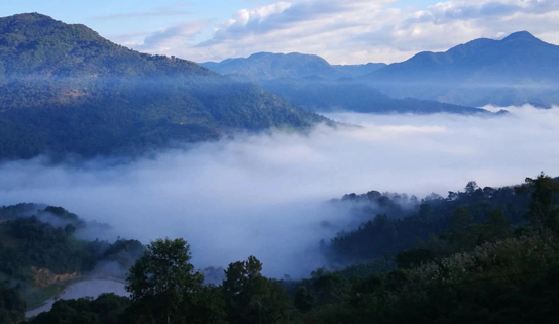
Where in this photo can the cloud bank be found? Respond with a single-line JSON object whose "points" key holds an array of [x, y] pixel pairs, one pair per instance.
{"points": [[361, 31], [264, 195]]}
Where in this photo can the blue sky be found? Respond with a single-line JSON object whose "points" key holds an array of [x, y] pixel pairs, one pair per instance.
{"points": [[97, 14], [356, 31]]}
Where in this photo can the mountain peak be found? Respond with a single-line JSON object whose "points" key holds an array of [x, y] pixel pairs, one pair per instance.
{"points": [[259, 55], [27, 17], [521, 35], [36, 25], [34, 15]]}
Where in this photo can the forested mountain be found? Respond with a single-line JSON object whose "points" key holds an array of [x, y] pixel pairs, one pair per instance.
{"points": [[360, 70], [515, 70], [397, 222], [64, 88], [310, 82], [349, 95], [269, 66], [41, 247], [38, 237]]}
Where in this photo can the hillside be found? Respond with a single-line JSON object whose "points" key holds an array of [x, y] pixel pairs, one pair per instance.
{"points": [[346, 95], [268, 66], [360, 70], [515, 70], [310, 82], [65, 89], [41, 247]]}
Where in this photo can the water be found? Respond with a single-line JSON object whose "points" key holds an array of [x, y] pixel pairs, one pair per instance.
{"points": [[90, 288]]}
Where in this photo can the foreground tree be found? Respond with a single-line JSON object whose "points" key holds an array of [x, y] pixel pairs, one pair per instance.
{"points": [[250, 297], [106, 309], [163, 284], [544, 212]]}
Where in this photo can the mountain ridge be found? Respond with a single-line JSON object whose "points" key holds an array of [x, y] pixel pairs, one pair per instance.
{"points": [[327, 88], [65, 89], [268, 65], [514, 70]]}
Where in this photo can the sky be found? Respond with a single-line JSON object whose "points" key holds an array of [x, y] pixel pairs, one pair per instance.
{"points": [[341, 31]]}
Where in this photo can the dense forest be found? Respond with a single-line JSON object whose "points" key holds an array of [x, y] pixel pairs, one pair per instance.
{"points": [[477, 256], [65, 89], [39, 248], [44, 239], [398, 222], [316, 94]]}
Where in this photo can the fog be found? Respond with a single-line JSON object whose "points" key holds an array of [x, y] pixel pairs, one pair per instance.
{"points": [[265, 195]]}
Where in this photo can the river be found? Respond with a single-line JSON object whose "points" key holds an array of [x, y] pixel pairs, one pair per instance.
{"points": [[90, 288]]}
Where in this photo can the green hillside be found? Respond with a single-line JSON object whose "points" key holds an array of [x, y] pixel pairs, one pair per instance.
{"points": [[65, 89]]}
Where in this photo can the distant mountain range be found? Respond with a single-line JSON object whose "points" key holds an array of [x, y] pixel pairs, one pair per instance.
{"points": [[268, 66], [309, 81], [65, 89], [516, 70], [348, 95]]}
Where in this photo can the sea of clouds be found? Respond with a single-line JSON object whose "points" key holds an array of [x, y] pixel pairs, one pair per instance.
{"points": [[265, 194]]}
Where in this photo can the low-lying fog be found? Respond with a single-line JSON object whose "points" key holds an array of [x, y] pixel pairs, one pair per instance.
{"points": [[263, 195]]}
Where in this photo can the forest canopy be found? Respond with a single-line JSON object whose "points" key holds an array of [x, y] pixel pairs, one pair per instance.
{"points": [[482, 255]]}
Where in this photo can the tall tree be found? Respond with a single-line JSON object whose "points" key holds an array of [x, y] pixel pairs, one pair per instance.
{"points": [[543, 212], [163, 283], [250, 297]]}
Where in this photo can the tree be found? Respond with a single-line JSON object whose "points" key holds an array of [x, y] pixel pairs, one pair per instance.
{"points": [[414, 257], [543, 212], [250, 297], [163, 283], [12, 307], [461, 236], [471, 187], [304, 300], [106, 309]]}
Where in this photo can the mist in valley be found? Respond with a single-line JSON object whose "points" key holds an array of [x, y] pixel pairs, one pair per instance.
{"points": [[267, 194]]}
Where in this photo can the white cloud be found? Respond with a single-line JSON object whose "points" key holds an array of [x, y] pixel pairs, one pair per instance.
{"points": [[166, 40], [263, 194], [162, 12], [366, 31]]}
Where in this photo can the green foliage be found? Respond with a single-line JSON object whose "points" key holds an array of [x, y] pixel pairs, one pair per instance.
{"points": [[106, 309], [489, 274], [33, 251], [304, 300], [29, 242], [250, 297], [543, 212], [368, 268], [414, 257], [471, 217], [163, 284], [65, 89], [12, 307], [477, 271], [17, 211]]}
